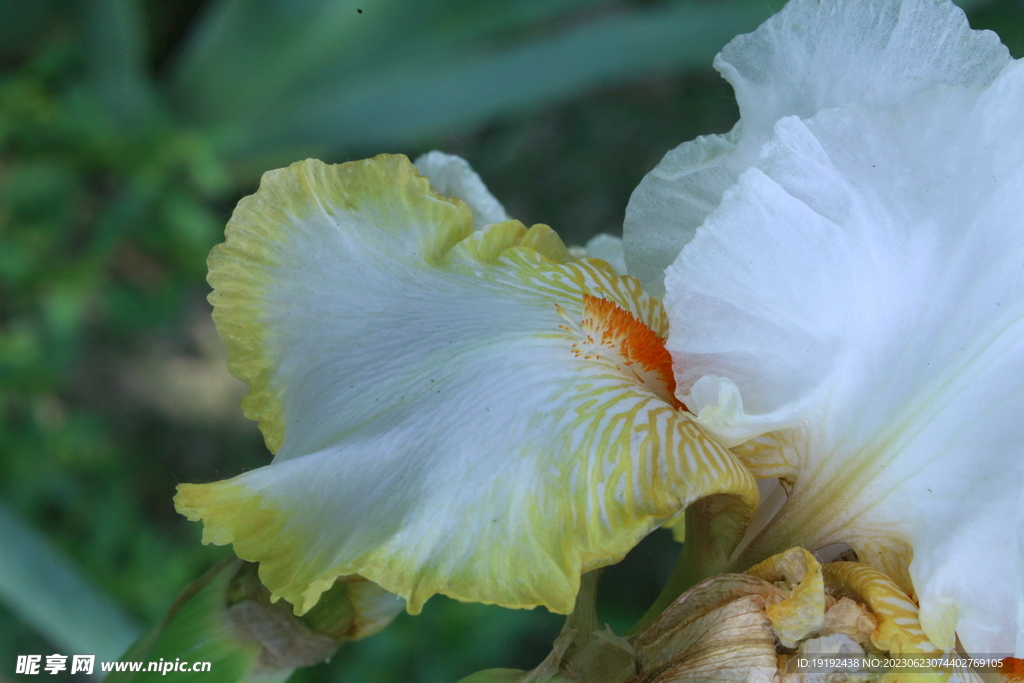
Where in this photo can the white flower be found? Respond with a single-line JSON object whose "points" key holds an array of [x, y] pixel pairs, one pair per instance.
{"points": [[854, 293]]}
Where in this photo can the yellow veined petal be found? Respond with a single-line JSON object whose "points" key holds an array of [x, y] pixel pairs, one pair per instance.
{"points": [[468, 413], [770, 455], [899, 630]]}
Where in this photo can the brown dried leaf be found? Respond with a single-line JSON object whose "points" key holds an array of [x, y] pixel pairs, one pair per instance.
{"points": [[286, 642]]}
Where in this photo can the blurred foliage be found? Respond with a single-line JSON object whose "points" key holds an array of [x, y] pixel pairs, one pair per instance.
{"points": [[50, 594], [128, 130]]}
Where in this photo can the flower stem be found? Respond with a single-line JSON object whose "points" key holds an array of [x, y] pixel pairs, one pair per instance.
{"points": [[714, 527], [583, 617]]}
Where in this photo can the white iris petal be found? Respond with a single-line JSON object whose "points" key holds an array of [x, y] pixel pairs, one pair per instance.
{"points": [[811, 56], [858, 290]]}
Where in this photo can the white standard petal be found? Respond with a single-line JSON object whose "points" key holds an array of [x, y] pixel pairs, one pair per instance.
{"points": [[859, 290], [452, 176], [811, 56]]}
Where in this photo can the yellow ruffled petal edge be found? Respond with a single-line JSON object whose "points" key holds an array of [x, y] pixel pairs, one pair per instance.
{"points": [[237, 268], [613, 454]]}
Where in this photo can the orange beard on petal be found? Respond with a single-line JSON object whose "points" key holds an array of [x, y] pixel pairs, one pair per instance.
{"points": [[613, 334]]}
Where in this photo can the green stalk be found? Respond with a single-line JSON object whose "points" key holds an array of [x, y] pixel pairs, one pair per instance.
{"points": [[714, 527]]}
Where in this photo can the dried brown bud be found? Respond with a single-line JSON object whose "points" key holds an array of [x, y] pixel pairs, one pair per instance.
{"points": [[717, 630]]}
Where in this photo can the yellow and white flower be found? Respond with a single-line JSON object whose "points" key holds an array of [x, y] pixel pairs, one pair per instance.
{"points": [[469, 412], [843, 276], [460, 405]]}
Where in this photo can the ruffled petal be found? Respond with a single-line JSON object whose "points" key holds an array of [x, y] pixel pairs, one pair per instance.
{"points": [[475, 414], [858, 293], [452, 176], [809, 57]]}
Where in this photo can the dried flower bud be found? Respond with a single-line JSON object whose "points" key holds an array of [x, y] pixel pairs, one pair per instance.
{"points": [[718, 629]]}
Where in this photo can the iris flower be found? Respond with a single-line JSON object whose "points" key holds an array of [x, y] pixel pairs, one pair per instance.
{"points": [[459, 405]]}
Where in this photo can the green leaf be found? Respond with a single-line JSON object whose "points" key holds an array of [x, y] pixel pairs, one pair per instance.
{"points": [[198, 629], [972, 5], [247, 54], [116, 51], [225, 619], [421, 98], [278, 79], [50, 594], [496, 676], [21, 22]]}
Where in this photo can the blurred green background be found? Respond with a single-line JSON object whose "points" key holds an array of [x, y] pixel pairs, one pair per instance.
{"points": [[128, 131]]}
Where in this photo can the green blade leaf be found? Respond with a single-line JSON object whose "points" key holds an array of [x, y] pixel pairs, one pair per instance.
{"points": [[197, 629], [50, 594], [432, 95], [247, 54], [116, 51]]}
